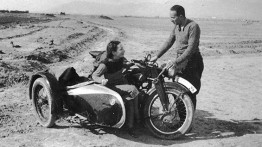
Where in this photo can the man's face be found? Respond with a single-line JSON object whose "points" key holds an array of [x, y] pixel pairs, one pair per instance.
{"points": [[174, 18]]}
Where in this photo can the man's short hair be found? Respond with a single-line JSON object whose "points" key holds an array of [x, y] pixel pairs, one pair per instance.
{"points": [[179, 10]]}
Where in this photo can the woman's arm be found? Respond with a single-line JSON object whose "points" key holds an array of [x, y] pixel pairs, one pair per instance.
{"points": [[98, 75]]}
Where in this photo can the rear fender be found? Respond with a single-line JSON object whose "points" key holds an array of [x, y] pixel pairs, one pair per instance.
{"points": [[54, 88]]}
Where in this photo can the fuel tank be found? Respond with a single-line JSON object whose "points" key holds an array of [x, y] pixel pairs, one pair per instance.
{"points": [[101, 104]]}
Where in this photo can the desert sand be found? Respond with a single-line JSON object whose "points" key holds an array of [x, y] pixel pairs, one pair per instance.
{"points": [[229, 104]]}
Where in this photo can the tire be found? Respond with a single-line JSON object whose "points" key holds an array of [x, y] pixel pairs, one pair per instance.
{"points": [[43, 102], [171, 125]]}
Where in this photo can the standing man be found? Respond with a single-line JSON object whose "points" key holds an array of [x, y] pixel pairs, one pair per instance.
{"points": [[188, 62]]}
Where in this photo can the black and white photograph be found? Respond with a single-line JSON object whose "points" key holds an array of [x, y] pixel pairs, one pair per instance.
{"points": [[124, 73]]}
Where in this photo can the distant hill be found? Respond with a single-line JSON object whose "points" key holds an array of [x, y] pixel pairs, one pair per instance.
{"points": [[131, 9], [194, 8]]}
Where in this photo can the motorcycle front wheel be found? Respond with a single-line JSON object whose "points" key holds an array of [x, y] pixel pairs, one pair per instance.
{"points": [[173, 123], [43, 101]]}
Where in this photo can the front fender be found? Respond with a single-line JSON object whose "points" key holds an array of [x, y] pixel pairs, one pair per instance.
{"points": [[53, 85], [173, 85]]}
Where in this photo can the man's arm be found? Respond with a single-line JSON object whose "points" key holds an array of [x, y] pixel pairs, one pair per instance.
{"points": [[193, 43], [167, 45]]}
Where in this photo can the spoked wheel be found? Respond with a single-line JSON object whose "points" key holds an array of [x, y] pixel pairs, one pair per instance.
{"points": [[43, 102], [173, 123]]}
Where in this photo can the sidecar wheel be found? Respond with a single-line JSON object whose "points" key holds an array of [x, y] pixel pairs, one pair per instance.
{"points": [[43, 101], [176, 122]]}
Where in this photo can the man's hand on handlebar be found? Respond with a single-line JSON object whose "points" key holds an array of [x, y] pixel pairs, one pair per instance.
{"points": [[170, 63], [171, 67]]}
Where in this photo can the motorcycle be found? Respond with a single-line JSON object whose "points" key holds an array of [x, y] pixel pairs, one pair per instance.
{"points": [[166, 106]]}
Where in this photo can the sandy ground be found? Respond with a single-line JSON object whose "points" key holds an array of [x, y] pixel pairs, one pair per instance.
{"points": [[229, 103]]}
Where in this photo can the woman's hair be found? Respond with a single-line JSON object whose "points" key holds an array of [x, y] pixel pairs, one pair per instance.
{"points": [[111, 46]]}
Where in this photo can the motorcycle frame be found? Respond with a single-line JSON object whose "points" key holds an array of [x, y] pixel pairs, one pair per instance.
{"points": [[158, 82]]}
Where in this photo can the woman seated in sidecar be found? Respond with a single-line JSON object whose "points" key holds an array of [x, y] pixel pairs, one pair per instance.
{"points": [[109, 73]]}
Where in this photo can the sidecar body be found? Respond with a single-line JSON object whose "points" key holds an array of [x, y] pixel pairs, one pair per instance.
{"points": [[98, 104]]}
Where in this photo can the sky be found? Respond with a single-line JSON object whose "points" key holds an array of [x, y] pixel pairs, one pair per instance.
{"points": [[36, 5], [249, 9]]}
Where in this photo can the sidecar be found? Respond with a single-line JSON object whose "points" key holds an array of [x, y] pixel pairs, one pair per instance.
{"points": [[93, 102]]}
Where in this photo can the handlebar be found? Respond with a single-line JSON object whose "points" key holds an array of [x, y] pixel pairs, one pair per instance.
{"points": [[145, 62]]}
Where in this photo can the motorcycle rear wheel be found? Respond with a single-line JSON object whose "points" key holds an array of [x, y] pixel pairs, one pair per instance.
{"points": [[174, 123], [43, 101]]}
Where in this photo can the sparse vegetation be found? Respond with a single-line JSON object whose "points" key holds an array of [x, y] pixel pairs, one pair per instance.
{"points": [[13, 11], [105, 17], [50, 15], [7, 18]]}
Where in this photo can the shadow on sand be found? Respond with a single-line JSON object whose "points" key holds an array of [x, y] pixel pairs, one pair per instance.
{"points": [[204, 127]]}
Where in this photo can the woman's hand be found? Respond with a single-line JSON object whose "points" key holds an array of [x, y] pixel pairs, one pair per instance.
{"points": [[104, 81], [129, 64]]}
